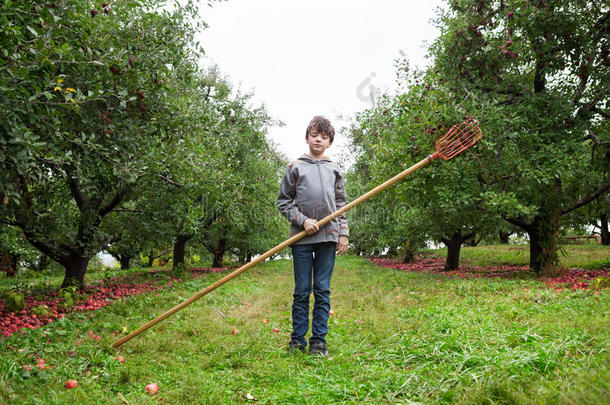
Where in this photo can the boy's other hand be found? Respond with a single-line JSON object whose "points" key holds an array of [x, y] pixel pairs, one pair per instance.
{"points": [[343, 244], [310, 226]]}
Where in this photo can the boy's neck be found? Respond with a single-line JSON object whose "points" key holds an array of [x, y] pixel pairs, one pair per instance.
{"points": [[314, 156]]}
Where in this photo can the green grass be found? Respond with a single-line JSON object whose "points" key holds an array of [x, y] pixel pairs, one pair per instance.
{"points": [[583, 256], [396, 337]]}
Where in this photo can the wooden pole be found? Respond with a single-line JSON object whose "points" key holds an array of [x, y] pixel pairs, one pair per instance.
{"points": [[276, 249]]}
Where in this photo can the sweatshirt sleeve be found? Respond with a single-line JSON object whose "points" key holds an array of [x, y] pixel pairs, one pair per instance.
{"points": [[340, 202], [286, 199]]}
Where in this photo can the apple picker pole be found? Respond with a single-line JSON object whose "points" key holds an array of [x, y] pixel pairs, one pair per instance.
{"points": [[459, 138]]}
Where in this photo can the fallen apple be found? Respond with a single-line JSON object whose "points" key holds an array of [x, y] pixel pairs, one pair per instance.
{"points": [[71, 384], [276, 330], [235, 331], [120, 359], [331, 312], [152, 388], [265, 321]]}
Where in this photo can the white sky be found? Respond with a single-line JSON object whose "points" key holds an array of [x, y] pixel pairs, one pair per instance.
{"points": [[306, 58]]}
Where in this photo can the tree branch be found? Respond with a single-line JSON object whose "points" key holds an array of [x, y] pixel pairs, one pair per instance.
{"points": [[107, 242], [113, 203], [77, 193], [173, 183], [517, 221], [588, 199], [600, 112], [44, 247], [468, 236], [9, 222]]}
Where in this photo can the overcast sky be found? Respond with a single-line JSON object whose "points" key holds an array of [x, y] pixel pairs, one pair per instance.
{"points": [[306, 58]]}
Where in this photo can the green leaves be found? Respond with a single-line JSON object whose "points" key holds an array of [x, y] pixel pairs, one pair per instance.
{"points": [[86, 101]]}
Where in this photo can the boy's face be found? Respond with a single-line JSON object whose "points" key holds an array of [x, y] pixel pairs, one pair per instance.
{"points": [[318, 142]]}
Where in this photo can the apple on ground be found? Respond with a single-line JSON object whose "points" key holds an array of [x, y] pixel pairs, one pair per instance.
{"points": [[71, 384], [152, 388]]}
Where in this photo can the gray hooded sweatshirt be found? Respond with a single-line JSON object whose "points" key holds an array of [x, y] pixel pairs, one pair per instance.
{"points": [[313, 189]]}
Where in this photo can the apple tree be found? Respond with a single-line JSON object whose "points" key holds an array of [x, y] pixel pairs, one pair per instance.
{"points": [[537, 75], [446, 198], [85, 96]]}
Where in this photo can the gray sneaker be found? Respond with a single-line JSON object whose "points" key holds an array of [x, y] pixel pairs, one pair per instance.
{"points": [[294, 346], [318, 349]]}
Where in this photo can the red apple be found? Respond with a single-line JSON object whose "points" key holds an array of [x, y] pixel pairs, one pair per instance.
{"points": [[235, 331], [71, 384], [120, 358], [152, 388], [265, 321], [276, 330], [331, 312]]}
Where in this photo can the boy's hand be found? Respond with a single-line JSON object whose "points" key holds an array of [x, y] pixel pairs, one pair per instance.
{"points": [[310, 226], [343, 244]]}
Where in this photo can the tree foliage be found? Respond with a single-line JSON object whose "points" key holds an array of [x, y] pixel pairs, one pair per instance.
{"points": [[87, 102], [537, 74]]}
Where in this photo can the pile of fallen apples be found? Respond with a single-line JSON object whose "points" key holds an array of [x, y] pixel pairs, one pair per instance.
{"points": [[570, 279], [40, 311]]}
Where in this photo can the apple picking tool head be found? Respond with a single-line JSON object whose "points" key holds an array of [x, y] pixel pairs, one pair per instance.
{"points": [[459, 138]]}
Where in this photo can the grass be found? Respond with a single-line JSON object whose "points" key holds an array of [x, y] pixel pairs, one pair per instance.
{"points": [[395, 337], [583, 256]]}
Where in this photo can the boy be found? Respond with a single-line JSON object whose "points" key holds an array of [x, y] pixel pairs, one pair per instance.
{"points": [[311, 189]]}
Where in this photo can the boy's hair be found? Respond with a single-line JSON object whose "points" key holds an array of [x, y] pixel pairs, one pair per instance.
{"points": [[322, 126]]}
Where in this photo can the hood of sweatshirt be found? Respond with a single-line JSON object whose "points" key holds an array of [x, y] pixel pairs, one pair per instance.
{"points": [[305, 157]]}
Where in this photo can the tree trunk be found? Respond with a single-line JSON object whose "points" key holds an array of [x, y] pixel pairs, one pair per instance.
{"points": [[13, 269], [151, 260], [249, 257], [544, 238], [504, 236], [454, 245], [409, 256], [76, 267], [219, 252], [605, 231], [124, 260], [179, 248]]}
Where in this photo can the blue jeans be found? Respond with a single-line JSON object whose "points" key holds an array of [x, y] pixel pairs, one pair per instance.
{"points": [[317, 260]]}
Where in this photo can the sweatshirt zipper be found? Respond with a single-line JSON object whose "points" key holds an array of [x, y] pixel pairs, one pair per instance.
{"points": [[321, 184]]}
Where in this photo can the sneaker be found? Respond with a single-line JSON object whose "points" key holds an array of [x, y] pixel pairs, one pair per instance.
{"points": [[294, 345], [318, 349]]}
